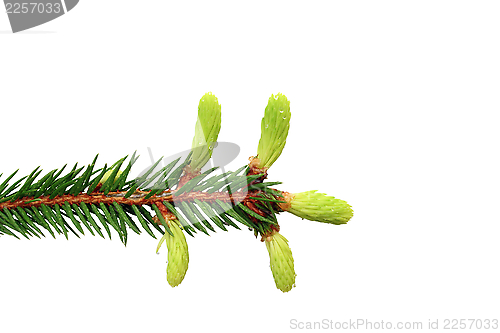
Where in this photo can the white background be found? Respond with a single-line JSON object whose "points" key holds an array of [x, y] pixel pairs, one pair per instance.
{"points": [[394, 109]]}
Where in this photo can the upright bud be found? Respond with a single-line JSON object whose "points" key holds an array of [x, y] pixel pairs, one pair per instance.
{"points": [[274, 130], [281, 259], [178, 255], [318, 207], [108, 173], [206, 131]]}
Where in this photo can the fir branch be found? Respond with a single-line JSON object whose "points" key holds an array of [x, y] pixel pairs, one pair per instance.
{"points": [[57, 199], [172, 199]]}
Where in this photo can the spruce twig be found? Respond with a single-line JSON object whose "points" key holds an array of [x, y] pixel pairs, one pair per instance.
{"points": [[175, 199]]}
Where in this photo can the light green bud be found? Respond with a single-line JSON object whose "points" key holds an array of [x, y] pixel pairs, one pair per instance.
{"points": [[274, 130], [319, 207], [281, 262], [107, 174], [178, 255], [206, 131]]}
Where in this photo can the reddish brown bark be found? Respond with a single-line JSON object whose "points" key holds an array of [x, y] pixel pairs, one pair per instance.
{"points": [[97, 198]]}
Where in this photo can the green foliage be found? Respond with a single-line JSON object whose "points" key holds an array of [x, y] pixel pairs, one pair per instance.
{"points": [[27, 218], [106, 202]]}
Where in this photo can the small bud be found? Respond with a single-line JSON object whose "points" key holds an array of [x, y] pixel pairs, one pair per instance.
{"points": [[178, 255], [274, 130], [206, 131], [281, 259], [107, 174], [318, 207]]}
